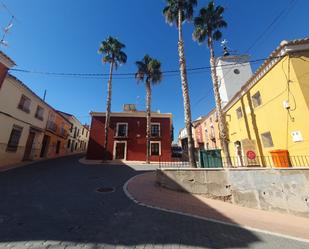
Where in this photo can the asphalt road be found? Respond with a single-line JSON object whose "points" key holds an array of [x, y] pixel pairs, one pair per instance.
{"points": [[55, 204]]}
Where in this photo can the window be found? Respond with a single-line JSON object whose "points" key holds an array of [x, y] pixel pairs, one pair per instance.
{"points": [[155, 148], [69, 143], [39, 113], [51, 125], [155, 130], [62, 130], [24, 104], [236, 71], [256, 99], [14, 138], [267, 140], [83, 131], [122, 130], [239, 113]]}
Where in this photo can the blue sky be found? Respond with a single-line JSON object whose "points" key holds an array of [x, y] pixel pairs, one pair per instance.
{"points": [[63, 36]]}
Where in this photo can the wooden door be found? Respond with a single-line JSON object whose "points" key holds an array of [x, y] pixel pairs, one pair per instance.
{"points": [[29, 145], [45, 145], [58, 147], [120, 151]]}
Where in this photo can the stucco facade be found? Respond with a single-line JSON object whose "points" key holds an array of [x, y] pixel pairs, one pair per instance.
{"points": [[271, 111], [12, 114], [26, 121], [133, 137], [210, 131], [78, 138], [56, 134]]}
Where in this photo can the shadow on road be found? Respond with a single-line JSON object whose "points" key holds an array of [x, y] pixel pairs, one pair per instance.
{"points": [[58, 200]]}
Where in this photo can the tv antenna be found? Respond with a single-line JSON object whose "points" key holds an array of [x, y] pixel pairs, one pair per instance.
{"points": [[6, 30], [8, 27]]}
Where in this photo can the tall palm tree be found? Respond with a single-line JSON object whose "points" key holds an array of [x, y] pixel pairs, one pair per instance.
{"points": [[176, 12], [149, 71], [111, 49], [207, 28]]}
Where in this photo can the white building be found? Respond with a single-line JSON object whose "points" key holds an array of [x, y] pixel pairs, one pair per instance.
{"points": [[233, 72]]}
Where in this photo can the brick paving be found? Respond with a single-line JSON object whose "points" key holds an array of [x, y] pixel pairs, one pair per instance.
{"points": [[54, 204]]}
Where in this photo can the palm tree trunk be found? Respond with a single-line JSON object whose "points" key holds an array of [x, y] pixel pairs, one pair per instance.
{"points": [[185, 91], [148, 109], [108, 107], [221, 117]]}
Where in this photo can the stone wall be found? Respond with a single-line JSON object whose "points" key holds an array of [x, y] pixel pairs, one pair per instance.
{"points": [[284, 190]]}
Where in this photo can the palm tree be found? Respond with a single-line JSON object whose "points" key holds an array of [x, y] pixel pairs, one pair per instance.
{"points": [[176, 12], [148, 70], [207, 27], [111, 49]]}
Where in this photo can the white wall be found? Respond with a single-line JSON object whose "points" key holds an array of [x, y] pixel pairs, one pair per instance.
{"points": [[230, 82]]}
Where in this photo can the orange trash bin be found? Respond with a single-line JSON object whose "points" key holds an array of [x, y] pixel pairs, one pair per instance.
{"points": [[280, 158]]}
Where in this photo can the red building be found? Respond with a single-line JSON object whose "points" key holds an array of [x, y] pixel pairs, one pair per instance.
{"points": [[127, 136]]}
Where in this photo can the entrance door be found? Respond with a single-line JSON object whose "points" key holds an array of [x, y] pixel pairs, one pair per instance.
{"points": [[45, 145], [29, 145], [120, 150], [58, 147]]}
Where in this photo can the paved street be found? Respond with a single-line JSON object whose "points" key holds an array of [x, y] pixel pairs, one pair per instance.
{"points": [[54, 204]]}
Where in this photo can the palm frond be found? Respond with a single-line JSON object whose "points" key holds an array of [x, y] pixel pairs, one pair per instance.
{"points": [[217, 35], [148, 70], [111, 49], [208, 23], [173, 7]]}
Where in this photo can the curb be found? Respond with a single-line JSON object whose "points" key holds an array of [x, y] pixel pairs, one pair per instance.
{"points": [[130, 196], [116, 162], [24, 164]]}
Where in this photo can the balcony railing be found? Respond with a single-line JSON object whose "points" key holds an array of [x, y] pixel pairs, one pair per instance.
{"points": [[52, 126], [63, 132]]}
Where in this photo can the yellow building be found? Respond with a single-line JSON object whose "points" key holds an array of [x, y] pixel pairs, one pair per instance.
{"points": [[271, 111]]}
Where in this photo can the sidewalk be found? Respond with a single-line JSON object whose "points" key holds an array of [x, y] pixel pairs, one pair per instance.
{"points": [[26, 163], [136, 165], [116, 162], [144, 191]]}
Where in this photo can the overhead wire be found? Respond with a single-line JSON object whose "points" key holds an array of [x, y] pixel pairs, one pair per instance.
{"points": [[125, 75], [275, 21]]}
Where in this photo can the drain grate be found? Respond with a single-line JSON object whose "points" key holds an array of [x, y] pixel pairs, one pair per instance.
{"points": [[105, 190]]}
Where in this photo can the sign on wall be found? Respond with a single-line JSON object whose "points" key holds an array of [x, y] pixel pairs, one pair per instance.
{"points": [[250, 153]]}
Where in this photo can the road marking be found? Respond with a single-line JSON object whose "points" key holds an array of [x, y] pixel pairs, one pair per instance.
{"points": [[128, 194]]}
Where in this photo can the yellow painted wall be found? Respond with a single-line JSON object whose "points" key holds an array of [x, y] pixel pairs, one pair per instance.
{"points": [[10, 94], [287, 80]]}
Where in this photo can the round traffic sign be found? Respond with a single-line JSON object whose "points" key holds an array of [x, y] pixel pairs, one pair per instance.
{"points": [[251, 154]]}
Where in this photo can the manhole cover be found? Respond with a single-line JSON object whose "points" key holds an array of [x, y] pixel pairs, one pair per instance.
{"points": [[105, 189]]}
